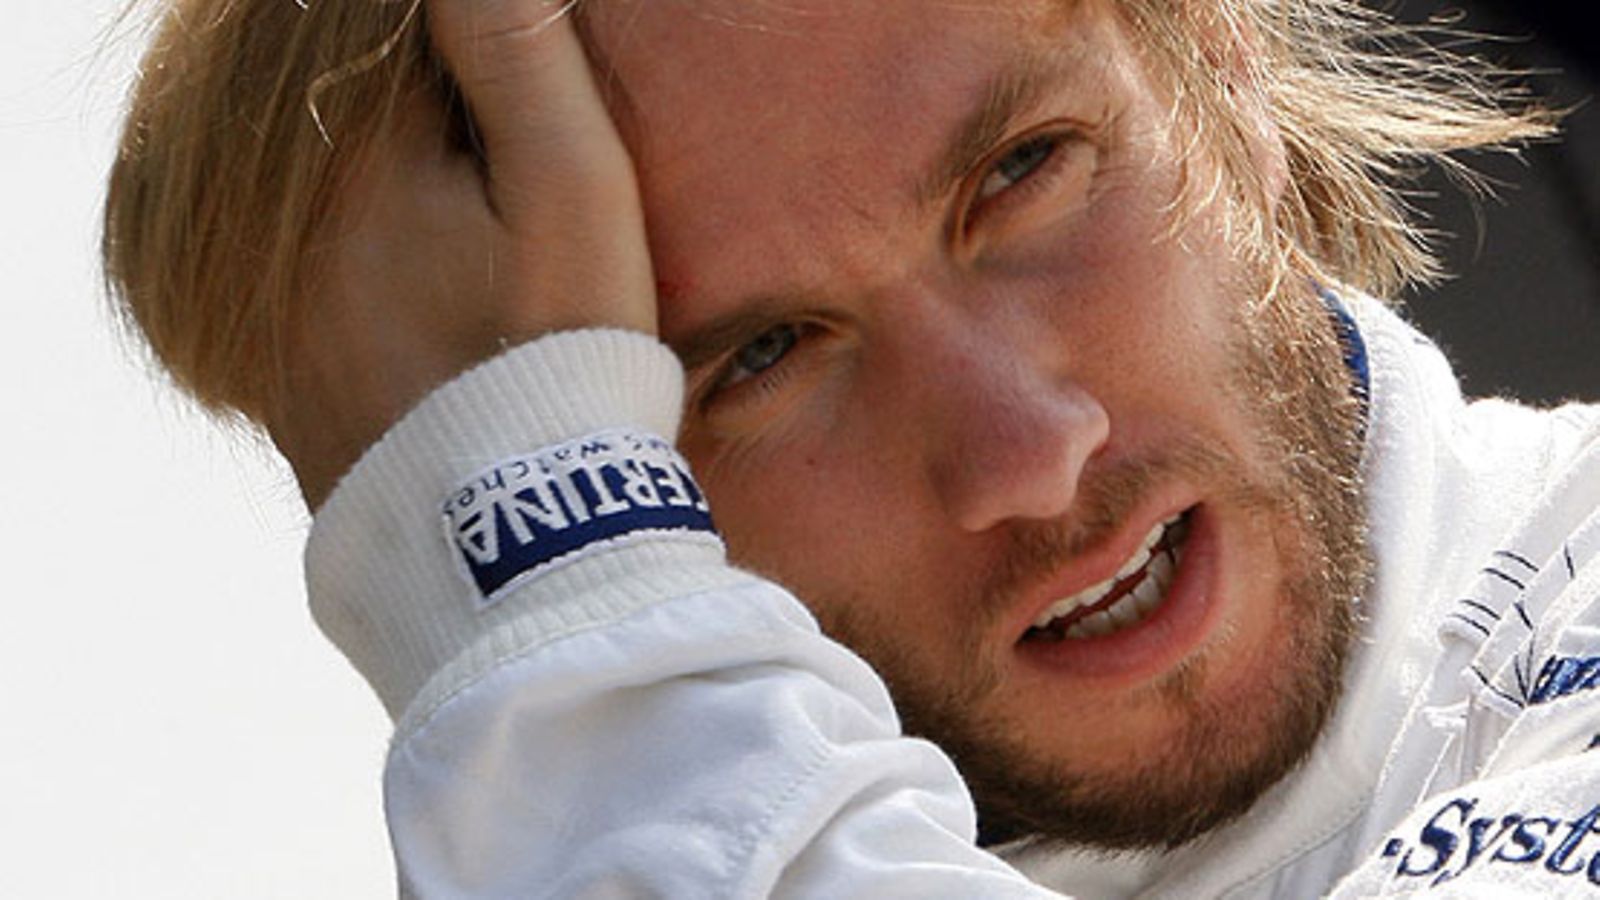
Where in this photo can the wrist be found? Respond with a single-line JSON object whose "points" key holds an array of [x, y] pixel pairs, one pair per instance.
{"points": [[385, 575]]}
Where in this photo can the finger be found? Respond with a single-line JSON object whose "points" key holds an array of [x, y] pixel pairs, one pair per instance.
{"points": [[526, 78], [574, 251]]}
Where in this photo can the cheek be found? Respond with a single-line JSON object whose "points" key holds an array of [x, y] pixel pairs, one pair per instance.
{"points": [[1140, 307], [827, 513], [1152, 323], [770, 494]]}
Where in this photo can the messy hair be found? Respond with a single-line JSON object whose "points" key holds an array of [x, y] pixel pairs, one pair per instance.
{"points": [[248, 116], [1360, 104]]}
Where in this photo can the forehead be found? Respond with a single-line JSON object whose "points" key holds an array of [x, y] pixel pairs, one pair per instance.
{"points": [[679, 51], [795, 130]]}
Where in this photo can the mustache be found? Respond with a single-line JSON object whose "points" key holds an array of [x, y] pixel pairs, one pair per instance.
{"points": [[1035, 551]]}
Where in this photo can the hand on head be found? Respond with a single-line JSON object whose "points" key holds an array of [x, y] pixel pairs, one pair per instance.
{"points": [[439, 259]]}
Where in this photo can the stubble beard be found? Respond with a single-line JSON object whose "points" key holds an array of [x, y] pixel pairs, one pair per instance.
{"points": [[1223, 757]]}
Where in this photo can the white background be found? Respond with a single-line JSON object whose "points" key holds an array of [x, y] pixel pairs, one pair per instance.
{"points": [[173, 725]]}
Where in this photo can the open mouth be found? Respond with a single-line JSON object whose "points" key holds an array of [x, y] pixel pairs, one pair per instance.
{"points": [[1133, 594]]}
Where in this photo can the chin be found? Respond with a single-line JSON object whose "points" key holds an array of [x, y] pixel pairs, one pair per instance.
{"points": [[1185, 754]]}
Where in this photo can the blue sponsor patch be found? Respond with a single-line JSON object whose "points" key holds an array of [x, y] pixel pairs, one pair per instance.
{"points": [[1563, 675], [1460, 837], [523, 515]]}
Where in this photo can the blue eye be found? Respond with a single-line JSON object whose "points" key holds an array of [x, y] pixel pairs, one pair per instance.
{"points": [[761, 354], [1023, 161]]}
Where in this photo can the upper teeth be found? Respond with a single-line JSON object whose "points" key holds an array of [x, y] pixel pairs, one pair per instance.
{"points": [[1147, 593]]}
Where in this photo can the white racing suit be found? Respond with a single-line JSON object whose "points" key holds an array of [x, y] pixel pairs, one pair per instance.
{"points": [[590, 702]]}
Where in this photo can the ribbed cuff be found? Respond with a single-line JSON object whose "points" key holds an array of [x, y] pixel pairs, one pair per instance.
{"points": [[383, 583]]}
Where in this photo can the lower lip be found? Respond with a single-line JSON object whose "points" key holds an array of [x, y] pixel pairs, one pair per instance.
{"points": [[1160, 641]]}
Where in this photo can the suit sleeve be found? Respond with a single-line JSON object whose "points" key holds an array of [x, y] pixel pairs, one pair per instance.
{"points": [[589, 701]]}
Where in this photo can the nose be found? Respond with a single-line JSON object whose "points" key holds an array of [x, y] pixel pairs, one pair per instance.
{"points": [[1011, 433]]}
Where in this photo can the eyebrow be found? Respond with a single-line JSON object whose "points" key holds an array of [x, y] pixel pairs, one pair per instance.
{"points": [[1008, 96]]}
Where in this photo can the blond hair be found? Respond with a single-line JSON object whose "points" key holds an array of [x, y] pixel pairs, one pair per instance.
{"points": [[246, 117], [248, 114], [1360, 103]]}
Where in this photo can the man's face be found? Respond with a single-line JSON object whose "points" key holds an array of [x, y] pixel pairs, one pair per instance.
{"points": [[953, 376]]}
